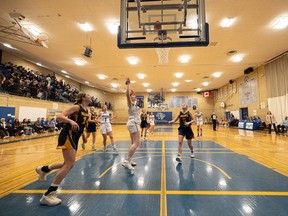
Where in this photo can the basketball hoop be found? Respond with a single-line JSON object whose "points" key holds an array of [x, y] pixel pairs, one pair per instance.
{"points": [[162, 55]]}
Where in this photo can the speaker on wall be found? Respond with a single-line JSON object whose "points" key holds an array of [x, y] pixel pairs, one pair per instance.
{"points": [[231, 81], [248, 70], [88, 52]]}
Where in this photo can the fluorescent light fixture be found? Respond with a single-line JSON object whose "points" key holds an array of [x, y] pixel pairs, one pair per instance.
{"points": [[178, 75], [113, 27], [133, 60], [102, 76], [39, 64], [63, 71], [149, 90], [67, 76], [8, 45], [227, 22], [32, 29], [146, 84], [184, 59], [198, 89], [132, 81], [216, 74], [205, 83], [188, 81], [114, 85], [86, 82], [141, 76], [175, 84], [85, 27], [237, 58], [280, 22], [173, 90], [79, 62]]}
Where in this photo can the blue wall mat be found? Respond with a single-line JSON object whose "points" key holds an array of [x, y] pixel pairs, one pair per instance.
{"points": [[7, 113], [162, 117]]}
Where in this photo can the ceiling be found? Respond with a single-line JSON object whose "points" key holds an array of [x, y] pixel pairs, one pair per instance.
{"points": [[251, 35]]}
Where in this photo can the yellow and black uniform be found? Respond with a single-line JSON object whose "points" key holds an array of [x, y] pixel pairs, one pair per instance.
{"points": [[92, 125], [68, 139], [185, 130], [144, 122]]}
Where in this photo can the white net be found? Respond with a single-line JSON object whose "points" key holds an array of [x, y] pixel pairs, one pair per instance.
{"points": [[162, 55]]}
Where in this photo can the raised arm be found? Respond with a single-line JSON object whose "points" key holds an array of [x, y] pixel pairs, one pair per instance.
{"points": [[175, 119], [128, 91]]}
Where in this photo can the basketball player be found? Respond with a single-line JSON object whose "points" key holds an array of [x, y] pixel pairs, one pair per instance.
{"points": [[78, 116], [199, 122], [144, 123], [106, 128], [184, 129], [152, 122], [133, 126], [91, 129]]}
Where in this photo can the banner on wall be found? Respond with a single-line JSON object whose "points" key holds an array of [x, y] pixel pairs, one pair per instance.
{"points": [[155, 100], [177, 101], [140, 101], [162, 117], [248, 91]]}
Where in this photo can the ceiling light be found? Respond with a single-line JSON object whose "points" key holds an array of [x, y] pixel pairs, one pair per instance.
{"points": [[216, 74], [178, 75], [146, 84], [236, 58], [63, 71], [280, 22], [188, 81], [141, 76], [184, 59], [102, 76], [79, 62], [133, 60], [205, 83], [227, 22], [173, 90], [39, 64], [32, 29], [85, 27], [132, 81], [8, 45], [113, 27], [149, 90], [114, 85], [175, 84], [86, 82], [198, 89], [67, 76]]}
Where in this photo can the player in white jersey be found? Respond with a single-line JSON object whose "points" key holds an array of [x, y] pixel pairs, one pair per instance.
{"points": [[133, 125], [199, 122], [106, 128], [152, 122]]}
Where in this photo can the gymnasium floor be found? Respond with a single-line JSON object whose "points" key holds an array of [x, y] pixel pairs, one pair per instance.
{"points": [[218, 181]]}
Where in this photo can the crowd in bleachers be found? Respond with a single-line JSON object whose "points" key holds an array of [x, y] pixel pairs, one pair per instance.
{"points": [[20, 81], [27, 127]]}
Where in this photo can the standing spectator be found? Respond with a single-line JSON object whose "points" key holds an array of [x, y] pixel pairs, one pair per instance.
{"points": [[214, 120], [270, 120]]}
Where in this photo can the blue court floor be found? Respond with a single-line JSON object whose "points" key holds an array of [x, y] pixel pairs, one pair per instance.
{"points": [[216, 182]]}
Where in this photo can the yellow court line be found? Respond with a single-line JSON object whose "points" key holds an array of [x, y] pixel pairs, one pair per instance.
{"points": [[159, 192], [233, 193], [163, 197], [148, 192], [222, 171]]}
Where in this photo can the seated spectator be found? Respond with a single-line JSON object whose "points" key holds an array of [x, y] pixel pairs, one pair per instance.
{"points": [[52, 125], [4, 131], [27, 129], [37, 126], [17, 127], [44, 124], [283, 126], [9, 126]]}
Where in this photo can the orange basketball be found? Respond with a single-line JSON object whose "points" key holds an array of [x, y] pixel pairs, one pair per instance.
{"points": [[157, 26]]}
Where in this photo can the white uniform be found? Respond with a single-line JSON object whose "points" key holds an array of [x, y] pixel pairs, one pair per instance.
{"points": [[152, 120], [134, 120], [105, 123], [199, 118]]}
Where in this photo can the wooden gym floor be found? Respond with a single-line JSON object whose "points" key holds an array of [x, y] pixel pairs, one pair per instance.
{"points": [[235, 172]]}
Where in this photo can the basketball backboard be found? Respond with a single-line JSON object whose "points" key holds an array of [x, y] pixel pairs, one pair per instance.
{"points": [[162, 23]]}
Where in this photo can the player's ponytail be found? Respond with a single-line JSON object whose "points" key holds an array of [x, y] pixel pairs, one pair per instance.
{"points": [[79, 97]]}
